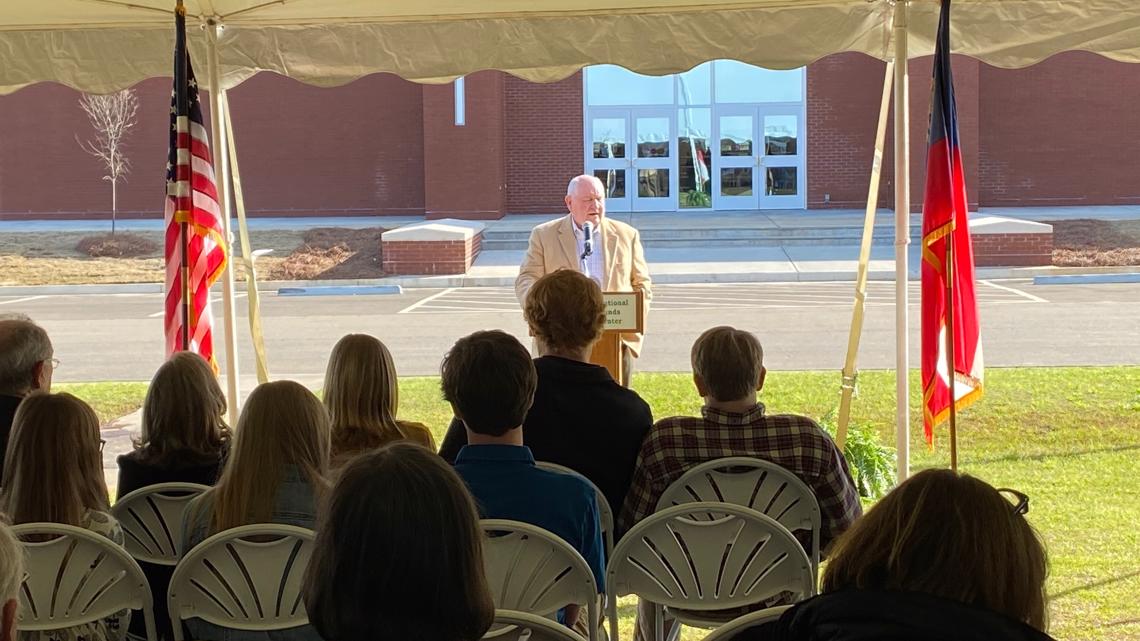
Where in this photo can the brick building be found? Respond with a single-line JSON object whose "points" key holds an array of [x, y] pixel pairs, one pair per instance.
{"points": [[1062, 132]]}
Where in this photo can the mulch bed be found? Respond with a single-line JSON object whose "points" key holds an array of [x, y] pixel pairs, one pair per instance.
{"points": [[332, 253], [1096, 243], [116, 246]]}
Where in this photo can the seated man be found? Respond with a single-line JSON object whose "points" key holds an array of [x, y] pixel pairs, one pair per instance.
{"points": [[728, 370], [26, 365], [581, 418], [489, 379]]}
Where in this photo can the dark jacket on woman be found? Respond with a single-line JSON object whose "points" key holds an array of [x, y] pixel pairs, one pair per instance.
{"points": [[135, 471], [858, 615], [581, 419]]}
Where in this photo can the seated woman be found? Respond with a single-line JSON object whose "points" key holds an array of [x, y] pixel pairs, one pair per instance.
{"points": [[276, 473], [398, 555], [362, 396], [943, 556], [53, 473], [184, 439], [581, 417], [184, 435]]}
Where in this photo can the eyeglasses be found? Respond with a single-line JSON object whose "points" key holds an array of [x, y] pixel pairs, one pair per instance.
{"points": [[102, 443], [55, 363], [1019, 500]]}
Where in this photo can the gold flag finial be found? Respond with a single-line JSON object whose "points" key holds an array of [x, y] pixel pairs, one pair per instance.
{"points": [[180, 9]]}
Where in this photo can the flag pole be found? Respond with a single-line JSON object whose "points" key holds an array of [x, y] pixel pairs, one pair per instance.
{"points": [[950, 358], [183, 108]]}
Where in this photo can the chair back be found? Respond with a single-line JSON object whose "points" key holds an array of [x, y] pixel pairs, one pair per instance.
{"points": [[532, 570], [740, 559], [152, 520], [247, 578], [77, 576], [734, 627], [753, 483], [511, 625]]}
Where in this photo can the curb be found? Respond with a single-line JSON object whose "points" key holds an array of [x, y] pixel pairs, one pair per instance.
{"points": [[1087, 279], [396, 284]]}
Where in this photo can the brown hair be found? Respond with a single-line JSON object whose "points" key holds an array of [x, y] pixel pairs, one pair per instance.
{"points": [[282, 424], [182, 415], [362, 395], [399, 553], [730, 361], [53, 470], [948, 535], [489, 379], [565, 311]]}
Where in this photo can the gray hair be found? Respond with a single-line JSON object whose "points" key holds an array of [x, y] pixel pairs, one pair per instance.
{"points": [[11, 565], [23, 344], [579, 179]]}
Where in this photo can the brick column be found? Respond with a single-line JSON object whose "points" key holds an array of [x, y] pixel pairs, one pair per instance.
{"points": [[464, 174]]}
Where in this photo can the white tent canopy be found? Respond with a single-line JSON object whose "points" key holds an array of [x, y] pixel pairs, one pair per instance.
{"points": [[101, 46]]}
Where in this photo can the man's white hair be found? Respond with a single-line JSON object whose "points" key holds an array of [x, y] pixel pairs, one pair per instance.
{"points": [[22, 345], [11, 564], [584, 177]]}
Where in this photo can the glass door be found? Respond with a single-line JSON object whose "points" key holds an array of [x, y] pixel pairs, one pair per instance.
{"points": [[609, 155], [654, 159], [781, 161], [736, 158]]}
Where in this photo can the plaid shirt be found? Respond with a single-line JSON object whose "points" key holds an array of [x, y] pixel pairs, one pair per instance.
{"points": [[795, 443]]}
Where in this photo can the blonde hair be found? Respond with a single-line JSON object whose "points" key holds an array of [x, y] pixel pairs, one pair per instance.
{"points": [[282, 424], [729, 361], [565, 311], [362, 396], [948, 535], [53, 470], [11, 564], [183, 412]]}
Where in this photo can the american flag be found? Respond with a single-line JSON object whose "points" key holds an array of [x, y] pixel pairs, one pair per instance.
{"points": [[191, 209]]}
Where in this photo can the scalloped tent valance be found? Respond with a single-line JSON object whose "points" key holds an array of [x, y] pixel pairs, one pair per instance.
{"points": [[105, 45]]}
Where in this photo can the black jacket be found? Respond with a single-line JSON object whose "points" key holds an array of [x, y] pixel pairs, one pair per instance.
{"points": [[582, 419], [8, 405], [858, 615]]}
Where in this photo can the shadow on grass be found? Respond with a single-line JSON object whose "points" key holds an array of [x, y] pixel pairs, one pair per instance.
{"points": [[1096, 584], [1049, 455]]}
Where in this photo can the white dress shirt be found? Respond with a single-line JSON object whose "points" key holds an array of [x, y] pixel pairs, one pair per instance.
{"points": [[593, 265]]}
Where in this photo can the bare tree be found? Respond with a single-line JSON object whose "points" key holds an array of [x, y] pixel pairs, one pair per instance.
{"points": [[112, 117]]}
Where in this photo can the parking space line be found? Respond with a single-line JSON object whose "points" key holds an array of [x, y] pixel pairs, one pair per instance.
{"points": [[1036, 299], [426, 300], [21, 300]]}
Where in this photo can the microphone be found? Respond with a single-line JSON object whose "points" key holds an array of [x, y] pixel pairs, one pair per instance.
{"points": [[588, 232]]}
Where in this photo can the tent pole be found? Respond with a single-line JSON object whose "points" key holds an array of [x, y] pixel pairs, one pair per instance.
{"points": [[221, 171], [850, 372], [252, 295], [902, 242]]}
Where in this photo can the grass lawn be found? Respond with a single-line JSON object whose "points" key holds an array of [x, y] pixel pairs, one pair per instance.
{"points": [[1067, 437], [109, 400]]}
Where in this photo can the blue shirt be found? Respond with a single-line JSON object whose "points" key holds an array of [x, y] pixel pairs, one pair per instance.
{"points": [[506, 484]]}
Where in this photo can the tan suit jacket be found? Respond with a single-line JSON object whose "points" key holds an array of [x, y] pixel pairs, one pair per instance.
{"points": [[553, 247]]}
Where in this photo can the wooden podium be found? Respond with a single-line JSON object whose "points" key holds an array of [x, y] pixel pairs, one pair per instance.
{"points": [[624, 315]]}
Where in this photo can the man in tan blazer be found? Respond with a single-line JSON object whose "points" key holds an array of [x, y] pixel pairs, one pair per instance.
{"points": [[616, 262]]}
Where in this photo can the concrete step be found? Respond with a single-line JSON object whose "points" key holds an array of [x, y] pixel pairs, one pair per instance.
{"points": [[691, 242], [726, 233]]}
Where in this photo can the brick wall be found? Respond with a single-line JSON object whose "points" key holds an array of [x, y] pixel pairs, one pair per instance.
{"points": [[1012, 250], [432, 257], [1062, 132], [463, 165], [544, 143]]}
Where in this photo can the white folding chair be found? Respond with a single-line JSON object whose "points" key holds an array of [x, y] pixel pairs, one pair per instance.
{"points": [[152, 520], [532, 570], [604, 514], [753, 483], [511, 625], [77, 577], [698, 567], [750, 620], [246, 578]]}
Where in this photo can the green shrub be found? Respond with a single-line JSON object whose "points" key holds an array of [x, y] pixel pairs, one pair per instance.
{"points": [[872, 463]]}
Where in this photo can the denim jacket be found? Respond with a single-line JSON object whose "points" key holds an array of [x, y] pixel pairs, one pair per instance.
{"points": [[295, 504]]}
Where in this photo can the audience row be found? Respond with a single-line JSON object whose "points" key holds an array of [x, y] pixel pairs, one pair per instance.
{"points": [[398, 548]]}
